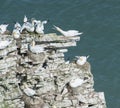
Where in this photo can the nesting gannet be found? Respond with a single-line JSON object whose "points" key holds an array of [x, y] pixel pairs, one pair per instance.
{"points": [[76, 82], [4, 43], [35, 48], [16, 33], [69, 32], [28, 91], [40, 27], [81, 60], [27, 25], [17, 26], [3, 28]]}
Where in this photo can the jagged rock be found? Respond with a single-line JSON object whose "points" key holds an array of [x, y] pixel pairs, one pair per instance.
{"points": [[56, 83]]}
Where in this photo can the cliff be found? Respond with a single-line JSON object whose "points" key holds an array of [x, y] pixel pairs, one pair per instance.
{"points": [[52, 79]]}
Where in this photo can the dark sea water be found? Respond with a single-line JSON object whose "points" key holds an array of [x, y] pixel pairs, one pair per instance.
{"points": [[100, 22]]}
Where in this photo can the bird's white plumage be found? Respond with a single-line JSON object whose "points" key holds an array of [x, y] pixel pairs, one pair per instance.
{"points": [[81, 60], [16, 30], [35, 48], [17, 26], [3, 28], [76, 82], [27, 25], [69, 32], [40, 27], [16, 33], [28, 91], [25, 19], [4, 44]]}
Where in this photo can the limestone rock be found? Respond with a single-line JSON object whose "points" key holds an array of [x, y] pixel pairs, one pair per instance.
{"points": [[51, 81]]}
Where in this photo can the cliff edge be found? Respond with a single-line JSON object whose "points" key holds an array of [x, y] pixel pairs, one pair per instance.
{"points": [[45, 79]]}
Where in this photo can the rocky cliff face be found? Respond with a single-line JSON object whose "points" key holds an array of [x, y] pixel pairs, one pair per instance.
{"points": [[45, 80]]}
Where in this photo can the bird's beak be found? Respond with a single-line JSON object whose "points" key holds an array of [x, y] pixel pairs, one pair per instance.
{"points": [[54, 27], [87, 56]]}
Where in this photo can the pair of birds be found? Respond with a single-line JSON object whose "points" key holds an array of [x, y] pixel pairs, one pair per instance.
{"points": [[35, 26]]}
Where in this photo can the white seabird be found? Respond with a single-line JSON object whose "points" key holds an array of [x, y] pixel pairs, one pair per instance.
{"points": [[27, 25], [16, 30], [3, 28], [25, 19], [17, 26], [76, 82], [81, 60], [69, 32], [16, 33], [4, 44], [35, 48], [28, 91], [40, 27]]}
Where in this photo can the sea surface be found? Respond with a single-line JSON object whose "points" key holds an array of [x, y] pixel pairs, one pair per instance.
{"points": [[99, 20]]}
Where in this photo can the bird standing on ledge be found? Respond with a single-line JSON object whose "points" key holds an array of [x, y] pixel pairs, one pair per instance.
{"points": [[29, 27], [3, 28], [81, 60], [69, 32]]}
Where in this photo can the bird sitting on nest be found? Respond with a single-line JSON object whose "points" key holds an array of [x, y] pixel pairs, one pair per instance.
{"points": [[16, 31], [3, 28], [69, 32], [4, 44], [35, 48], [81, 60]]}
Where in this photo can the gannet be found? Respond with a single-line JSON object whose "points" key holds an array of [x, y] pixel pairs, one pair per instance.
{"points": [[69, 32], [3, 28], [35, 48], [27, 25], [16, 33], [76, 82], [25, 19], [28, 91], [17, 26], [81, 60], [40, 27], [4, 43]]}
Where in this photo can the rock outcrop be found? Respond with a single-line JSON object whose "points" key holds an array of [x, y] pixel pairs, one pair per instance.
{"points": [[56, 83]]}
